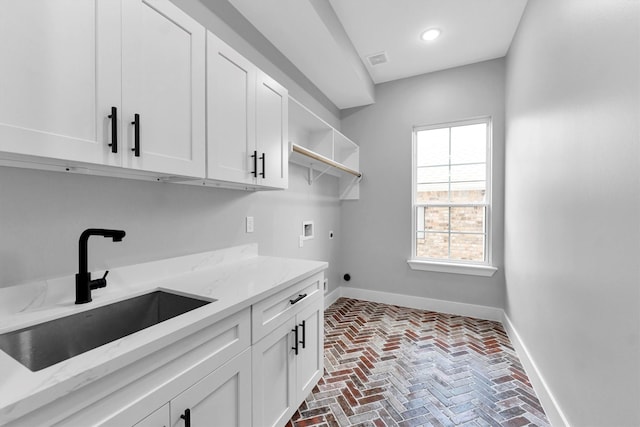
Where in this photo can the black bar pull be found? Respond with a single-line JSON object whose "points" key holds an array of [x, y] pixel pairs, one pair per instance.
{"points": [[186, 417], [254, 156], [263, 173], [300, 297], [295, 340], [114, 129], [304, 333], [136, 135]]}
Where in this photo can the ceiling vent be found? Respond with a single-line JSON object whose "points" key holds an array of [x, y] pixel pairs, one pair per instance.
{"points": [[377, 58]]}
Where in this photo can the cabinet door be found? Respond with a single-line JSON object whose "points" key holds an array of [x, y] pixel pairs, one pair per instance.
{"points": [[274, 397], [158, 418], [163, 81], [272, 114], [310, 360], [222, 398], [231, 100], [59, 78]]}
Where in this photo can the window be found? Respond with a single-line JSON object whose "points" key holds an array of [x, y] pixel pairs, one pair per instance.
{"points": [[452, 193]]}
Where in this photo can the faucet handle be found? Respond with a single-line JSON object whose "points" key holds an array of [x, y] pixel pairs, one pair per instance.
{"points": [[99, 283]]}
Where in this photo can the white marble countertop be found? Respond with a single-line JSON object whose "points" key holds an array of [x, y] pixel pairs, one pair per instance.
{"points": [[235, 277]]}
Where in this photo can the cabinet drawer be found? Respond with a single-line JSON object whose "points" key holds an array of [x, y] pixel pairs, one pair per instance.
{"points": [[153, 381], [268, 314]]}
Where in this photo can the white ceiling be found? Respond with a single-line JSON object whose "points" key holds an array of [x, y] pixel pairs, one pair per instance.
{"points": [[329, 40]]}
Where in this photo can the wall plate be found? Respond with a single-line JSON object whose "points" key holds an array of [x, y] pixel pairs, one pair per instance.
{"points": [[307, 230]]}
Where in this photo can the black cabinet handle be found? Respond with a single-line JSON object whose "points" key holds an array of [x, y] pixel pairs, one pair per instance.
{"points": [[304, 333], [300, 297], [295, 340], [136, 135], [114, 129], [186, 417], [254, 156], [263, 173]]}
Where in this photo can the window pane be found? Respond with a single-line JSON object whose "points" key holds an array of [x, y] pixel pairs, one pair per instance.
{"points": [[467, 192], [469, 144], [437, 219], [468, 218], [432, 147], [451, 169], [432, 193], [467, 247], [434, 245], [420, 221], [469, 173], [432, 174]]}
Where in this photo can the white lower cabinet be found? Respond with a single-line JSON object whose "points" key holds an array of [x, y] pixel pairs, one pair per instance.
{"points": [[310, 363], [251, 368], [274, 395], [266, 383], [221, 398], [159, 417], [287, 364]]}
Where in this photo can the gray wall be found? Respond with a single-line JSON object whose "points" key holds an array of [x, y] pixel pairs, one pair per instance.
{"points": [[43, 213], [572, 234], [377, 228]]}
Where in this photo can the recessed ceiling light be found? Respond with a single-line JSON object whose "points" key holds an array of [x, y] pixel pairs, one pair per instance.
{"points": [[430, 34]]}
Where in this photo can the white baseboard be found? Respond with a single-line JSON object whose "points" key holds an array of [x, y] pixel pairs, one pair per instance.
{"points": [[549, 403], [332, 297], [421, 303]]}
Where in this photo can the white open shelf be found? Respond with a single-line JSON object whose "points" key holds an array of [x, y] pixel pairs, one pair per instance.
{"points": [[317, 145]]}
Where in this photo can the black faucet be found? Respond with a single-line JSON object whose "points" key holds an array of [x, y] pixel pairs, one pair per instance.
{"points": [[84, 284]]}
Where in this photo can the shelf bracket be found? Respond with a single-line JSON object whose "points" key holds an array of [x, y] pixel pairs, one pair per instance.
{"points": [[312, 178], [354, 181]]}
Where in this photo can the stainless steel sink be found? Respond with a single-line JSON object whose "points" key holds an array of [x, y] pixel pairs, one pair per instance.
{"points": [[45, 344]]}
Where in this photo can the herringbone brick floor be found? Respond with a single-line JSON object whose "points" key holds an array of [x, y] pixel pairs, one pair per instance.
{"points": [[393, 366]]}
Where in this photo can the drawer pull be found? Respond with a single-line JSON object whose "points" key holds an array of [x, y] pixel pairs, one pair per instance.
{"points": [[114, 129], [254, 156], [186, 417], [304, 333], [136, 135], [300, 297], [295, 339]]}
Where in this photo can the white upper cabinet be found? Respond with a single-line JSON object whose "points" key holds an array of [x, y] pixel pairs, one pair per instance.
{"points": [[231, 97], [246, 122], [75, 73], [271, 132], [140, 87], [163, 82], [59, 78]]}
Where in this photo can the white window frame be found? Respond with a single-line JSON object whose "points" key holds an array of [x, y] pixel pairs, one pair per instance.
{"points": [[476, 268]]}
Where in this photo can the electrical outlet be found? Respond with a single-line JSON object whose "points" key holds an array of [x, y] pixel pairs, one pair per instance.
{"points": [[300, 241], [249, 224]]}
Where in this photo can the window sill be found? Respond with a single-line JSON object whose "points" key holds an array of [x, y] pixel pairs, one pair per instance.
{"points": [[445, 267]]}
